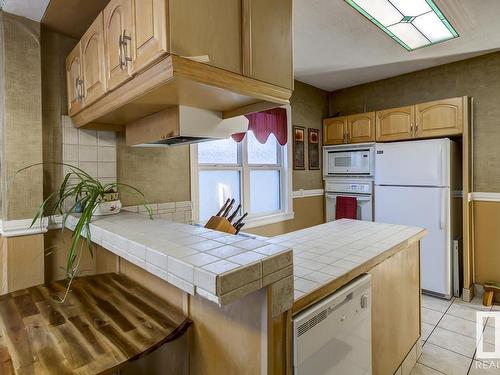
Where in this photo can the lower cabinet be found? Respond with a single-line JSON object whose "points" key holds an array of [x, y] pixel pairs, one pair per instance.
{"points": [[395, 309]]}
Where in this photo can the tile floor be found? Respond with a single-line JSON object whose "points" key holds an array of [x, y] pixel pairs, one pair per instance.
{"points": [[449, 339]]}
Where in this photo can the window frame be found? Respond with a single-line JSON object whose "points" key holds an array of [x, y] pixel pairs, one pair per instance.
{"points": [[284, 156]]}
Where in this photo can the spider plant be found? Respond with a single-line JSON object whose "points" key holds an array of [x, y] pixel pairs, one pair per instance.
{"points": [[79, 193]]}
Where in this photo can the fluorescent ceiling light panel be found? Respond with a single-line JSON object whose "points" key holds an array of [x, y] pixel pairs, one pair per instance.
{"points": [[411, 23]]}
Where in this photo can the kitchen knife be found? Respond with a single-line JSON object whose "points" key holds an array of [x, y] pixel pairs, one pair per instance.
{"points": [[233, 215], [226, 211], [224, 206], [240, 220], [238, 227]]}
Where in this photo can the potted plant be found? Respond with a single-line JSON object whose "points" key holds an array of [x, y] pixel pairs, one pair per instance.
{"points": [[87, 197]]}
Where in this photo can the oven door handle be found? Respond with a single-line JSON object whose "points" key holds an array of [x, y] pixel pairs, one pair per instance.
{"points": [[359, 198]]}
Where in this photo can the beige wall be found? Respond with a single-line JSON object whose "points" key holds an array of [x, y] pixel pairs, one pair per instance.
{"points": [[309, 108], [161, 173], [486, 241], [55, 48], [22, 117], [308, 212], [478, 77]]}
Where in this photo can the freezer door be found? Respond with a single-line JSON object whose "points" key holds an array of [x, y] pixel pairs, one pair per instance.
{"points": [[427, 208], [414, 163]]}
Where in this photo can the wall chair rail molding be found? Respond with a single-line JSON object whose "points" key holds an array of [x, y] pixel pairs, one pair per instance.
{"points": [[484, 197], [23, 227], [307, 193]]}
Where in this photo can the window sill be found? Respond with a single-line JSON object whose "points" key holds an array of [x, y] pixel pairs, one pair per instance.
{"points": [[268, 219]]}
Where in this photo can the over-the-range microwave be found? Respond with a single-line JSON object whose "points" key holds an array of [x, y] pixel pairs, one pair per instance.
{"points": [[349, 160]]}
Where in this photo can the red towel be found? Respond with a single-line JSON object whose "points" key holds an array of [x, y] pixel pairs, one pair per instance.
{"points": [[346, 208]]}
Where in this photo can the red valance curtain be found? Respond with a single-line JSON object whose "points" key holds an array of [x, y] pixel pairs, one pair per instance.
{"points": [[264, 123]]}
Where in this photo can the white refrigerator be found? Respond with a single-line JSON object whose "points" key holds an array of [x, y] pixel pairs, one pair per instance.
{"points": [[413, 183]]}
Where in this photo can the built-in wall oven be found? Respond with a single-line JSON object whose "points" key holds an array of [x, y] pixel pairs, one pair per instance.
{"points": [[349, 160], [349, 172], [362, 190]]}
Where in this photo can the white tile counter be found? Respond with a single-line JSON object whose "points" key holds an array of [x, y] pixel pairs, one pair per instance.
{"points": [[215, 265], [324, 253]]}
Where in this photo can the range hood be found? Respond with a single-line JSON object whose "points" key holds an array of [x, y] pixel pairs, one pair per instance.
{"points": [[180, 125]]}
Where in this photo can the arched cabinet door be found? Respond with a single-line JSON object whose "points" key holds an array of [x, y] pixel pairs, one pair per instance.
{"points": [[74, 80], [93, 65], [118, 43], [150, 36], [440, 118], [361, 127], [335, 130], [395, 124]]}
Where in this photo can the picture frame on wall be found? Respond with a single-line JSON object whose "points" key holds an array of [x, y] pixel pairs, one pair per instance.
{"points": [[299, 148], [313, 148]]}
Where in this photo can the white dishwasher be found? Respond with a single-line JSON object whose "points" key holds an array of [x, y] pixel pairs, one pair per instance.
{"points": [[333, 337]]}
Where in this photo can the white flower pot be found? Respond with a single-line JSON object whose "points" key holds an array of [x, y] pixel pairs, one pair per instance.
{"points": [[108, 208]]}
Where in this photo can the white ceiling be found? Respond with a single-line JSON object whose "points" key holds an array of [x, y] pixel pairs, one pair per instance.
{"points": [[32, 9], [336, 47]]}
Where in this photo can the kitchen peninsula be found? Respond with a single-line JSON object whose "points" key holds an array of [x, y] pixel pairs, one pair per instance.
{"points": [[241, 293]]}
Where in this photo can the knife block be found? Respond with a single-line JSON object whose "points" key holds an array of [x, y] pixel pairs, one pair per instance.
{"points": [[221, 224]]}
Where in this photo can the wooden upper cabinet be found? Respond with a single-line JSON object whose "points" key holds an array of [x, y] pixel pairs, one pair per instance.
{"points": [[334, 130], [439, 118], [74, 80], [361, 127], [267, 41], [93, 65], [150, 35], [207, 29], [395, 124], [117, 42]]}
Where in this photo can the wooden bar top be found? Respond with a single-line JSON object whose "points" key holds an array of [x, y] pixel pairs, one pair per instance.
{"points": [[106, 321]]}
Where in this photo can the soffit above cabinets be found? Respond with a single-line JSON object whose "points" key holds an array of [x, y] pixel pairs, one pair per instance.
{"points": [[71, 17]]}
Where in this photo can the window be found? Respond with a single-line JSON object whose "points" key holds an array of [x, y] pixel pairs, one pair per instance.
{"points": [[256, 175]]}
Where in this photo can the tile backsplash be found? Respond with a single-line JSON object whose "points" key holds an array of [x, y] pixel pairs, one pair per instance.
{"points": [[179, 212], [91, 150]]}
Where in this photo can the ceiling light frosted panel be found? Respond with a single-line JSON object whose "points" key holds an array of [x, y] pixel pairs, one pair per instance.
{"points": [[411, 23]]}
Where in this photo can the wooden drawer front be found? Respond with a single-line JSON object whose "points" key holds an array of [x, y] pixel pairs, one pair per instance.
{"points": [[149, 18], [361, 128], [395, 124], [439, 118], [93, 65], [74, 81], [334, 130], [117, 25]]}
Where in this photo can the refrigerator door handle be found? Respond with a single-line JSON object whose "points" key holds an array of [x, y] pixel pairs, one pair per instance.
{"points": [[442, 216], [443, 166]]}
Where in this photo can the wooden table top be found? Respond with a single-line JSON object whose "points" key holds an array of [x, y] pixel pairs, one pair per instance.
{"points": [[106, 321]]}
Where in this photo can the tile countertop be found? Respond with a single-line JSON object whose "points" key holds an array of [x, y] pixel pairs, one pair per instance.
{"points": [[215, 265], [326, 252]]}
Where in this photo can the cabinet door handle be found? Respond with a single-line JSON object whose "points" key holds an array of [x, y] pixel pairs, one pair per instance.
{"points": [[124, 39], [79, 89], [123, 64], [416, 128], [411, 129]]}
